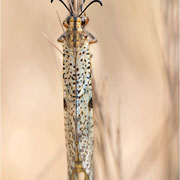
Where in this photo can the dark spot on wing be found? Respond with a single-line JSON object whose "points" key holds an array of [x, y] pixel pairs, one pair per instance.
{"points": [[90, 104]]}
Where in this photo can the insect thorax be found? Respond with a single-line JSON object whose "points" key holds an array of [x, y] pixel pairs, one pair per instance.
{"points": [[75, 40]]}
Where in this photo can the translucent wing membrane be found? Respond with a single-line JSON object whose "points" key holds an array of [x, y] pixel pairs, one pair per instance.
{"points": [[78, 111]]}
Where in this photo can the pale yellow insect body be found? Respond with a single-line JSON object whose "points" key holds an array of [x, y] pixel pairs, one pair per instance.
{"points": [[78, 106]]}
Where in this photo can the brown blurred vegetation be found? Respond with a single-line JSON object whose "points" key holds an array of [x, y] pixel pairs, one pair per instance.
{"points": [[136, 90]]}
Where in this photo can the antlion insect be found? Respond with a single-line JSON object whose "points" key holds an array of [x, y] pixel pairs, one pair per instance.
{"points": [[78, 106]]}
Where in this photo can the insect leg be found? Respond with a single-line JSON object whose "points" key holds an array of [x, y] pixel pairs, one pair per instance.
{"points": [[91, 38], [93, 41], [61, 38], [65, 24]]}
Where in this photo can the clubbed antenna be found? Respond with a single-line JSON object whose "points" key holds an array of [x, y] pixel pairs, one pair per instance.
{"points": [[90, 4], [64, 5]]}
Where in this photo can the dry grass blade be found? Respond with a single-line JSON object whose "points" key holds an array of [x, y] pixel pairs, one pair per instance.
{"points": [[162, 141], [60, 21], [52, 43], [107, 144]]}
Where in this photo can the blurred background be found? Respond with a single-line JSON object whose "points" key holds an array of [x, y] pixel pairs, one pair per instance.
{"points": [[135, 71]]}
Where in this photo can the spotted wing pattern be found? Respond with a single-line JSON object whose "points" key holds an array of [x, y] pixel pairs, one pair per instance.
{"points": [[78, 108]]}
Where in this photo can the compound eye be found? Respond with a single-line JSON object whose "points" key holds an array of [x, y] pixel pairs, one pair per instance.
{"points": [[68, 20], [83, 21]]}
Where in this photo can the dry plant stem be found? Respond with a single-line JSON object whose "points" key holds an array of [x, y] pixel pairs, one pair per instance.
{"points": [[100, 124], [49, 164], [156, 146], [58, 66], [104, 136], [60, 22], [52, 43], [118, 142], [171, 25], [170, 73]]}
